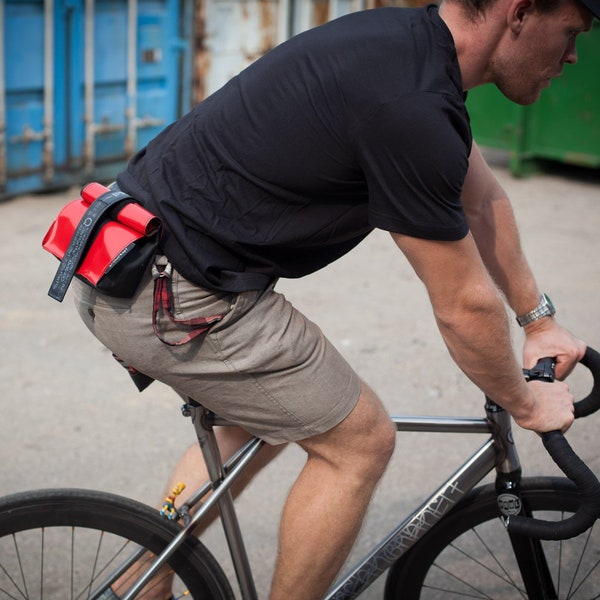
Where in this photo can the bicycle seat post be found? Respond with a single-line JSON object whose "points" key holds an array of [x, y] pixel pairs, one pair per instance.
{"points": [[203, 421]]}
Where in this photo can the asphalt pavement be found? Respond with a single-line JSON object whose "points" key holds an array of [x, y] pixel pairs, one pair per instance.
{"points": [[71, 417]]}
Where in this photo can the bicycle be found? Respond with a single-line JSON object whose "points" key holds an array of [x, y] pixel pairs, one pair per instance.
{"points": [[477, 542]]}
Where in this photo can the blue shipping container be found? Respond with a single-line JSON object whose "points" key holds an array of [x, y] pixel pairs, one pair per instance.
{"points": [[86, 83]]}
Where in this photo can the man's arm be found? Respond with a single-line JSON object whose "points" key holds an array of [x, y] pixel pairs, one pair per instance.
{"points": [[473, 322], [492, 223]]}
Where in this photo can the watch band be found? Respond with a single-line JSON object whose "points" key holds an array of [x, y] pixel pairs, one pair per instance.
{"points": [[544, 309]]}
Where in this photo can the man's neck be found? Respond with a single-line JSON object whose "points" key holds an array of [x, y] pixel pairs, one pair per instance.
{"points": [[475, 40]]}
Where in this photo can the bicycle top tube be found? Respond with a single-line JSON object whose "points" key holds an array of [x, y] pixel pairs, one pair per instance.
{"points": [[417, 423], [442, 424]]}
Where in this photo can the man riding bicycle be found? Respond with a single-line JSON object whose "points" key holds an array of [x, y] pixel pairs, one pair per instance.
{"points": [[355, 125]]}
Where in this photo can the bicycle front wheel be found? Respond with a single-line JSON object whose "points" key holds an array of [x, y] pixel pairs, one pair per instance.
{"points": [[63, 544], [468, 554]]}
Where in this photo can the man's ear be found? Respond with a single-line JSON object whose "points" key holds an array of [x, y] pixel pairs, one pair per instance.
{"points": [[518, 12]]}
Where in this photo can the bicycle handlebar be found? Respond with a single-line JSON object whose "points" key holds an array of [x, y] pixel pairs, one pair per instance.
{"points": [[573, 467], [591, 403]]}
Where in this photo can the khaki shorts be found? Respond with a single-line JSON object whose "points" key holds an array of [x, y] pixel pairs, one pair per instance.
{"points": [[263, 366]]}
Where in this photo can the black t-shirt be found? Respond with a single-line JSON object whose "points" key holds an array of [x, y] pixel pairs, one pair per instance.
{"points": [[359, 123]]}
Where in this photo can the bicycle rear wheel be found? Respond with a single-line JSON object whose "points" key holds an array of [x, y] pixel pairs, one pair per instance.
{"points": [[62, 544], [468, 553]]}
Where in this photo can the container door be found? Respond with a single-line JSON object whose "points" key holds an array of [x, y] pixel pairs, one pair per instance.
{"points": [[26, 73], [86, 83], [131, 81]]}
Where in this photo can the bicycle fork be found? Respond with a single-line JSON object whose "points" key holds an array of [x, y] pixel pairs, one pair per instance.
{"points": [[529, 552]]}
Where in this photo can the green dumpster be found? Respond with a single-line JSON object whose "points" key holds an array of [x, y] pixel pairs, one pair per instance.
{"points": [[564, 125]]}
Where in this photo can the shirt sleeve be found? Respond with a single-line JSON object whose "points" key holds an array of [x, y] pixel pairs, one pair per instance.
{"points": [[414, 154]]}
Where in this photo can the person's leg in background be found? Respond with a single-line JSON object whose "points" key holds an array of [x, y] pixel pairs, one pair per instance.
{"points": [[191, 470]]}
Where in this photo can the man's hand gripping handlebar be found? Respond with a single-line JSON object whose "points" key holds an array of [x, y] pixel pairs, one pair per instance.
{"points": [[572, 466]]}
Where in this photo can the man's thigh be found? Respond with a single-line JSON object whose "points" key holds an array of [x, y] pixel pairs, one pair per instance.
{"points": [[264, 365]]}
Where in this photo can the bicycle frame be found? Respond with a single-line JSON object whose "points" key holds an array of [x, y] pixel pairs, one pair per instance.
{"points": [[497, 452]]}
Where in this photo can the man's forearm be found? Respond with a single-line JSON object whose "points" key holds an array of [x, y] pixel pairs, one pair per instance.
{"points": [[478, 338], [472, 319], [498, 241], [492, 223]]}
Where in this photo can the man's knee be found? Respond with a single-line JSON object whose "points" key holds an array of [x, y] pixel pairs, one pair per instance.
{"points": [[362, 443], [377, 444], [372, 425]]}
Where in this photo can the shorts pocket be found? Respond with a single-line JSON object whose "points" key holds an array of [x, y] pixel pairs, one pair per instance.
{"points": [[190, 301], [183, 310]]}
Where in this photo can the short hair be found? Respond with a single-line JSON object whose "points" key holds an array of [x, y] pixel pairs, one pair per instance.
{"points": [[476, 8]]}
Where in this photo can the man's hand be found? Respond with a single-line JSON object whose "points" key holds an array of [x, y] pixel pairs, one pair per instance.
{"points": [[551, 408], [552, 403], [546, 338]]}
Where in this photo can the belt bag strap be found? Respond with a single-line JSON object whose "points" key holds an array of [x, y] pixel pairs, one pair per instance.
{"points": [[79, 241]]}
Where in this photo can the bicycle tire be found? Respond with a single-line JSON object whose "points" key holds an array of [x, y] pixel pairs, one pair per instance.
{"points": [[468, 553], [62, 543]]}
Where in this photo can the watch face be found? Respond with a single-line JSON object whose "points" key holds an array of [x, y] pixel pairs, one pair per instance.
{"points": [[549, 304]]}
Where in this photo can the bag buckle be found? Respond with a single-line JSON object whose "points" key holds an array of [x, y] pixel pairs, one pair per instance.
{"points": [[161, 268]]}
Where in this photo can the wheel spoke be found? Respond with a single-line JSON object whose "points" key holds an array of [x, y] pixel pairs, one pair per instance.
{"points": [[72, 561], [502, 574], [42, 564], [108, 562], [22, 592], [500, 565], [573, 590], [452, 592], [454, 577], [480, 564]]}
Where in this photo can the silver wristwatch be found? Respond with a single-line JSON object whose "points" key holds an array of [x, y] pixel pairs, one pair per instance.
{"points": [[544, 309]]}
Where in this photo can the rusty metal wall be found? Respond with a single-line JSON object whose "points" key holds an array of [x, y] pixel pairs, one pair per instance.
{"points": [[230, 34]]}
